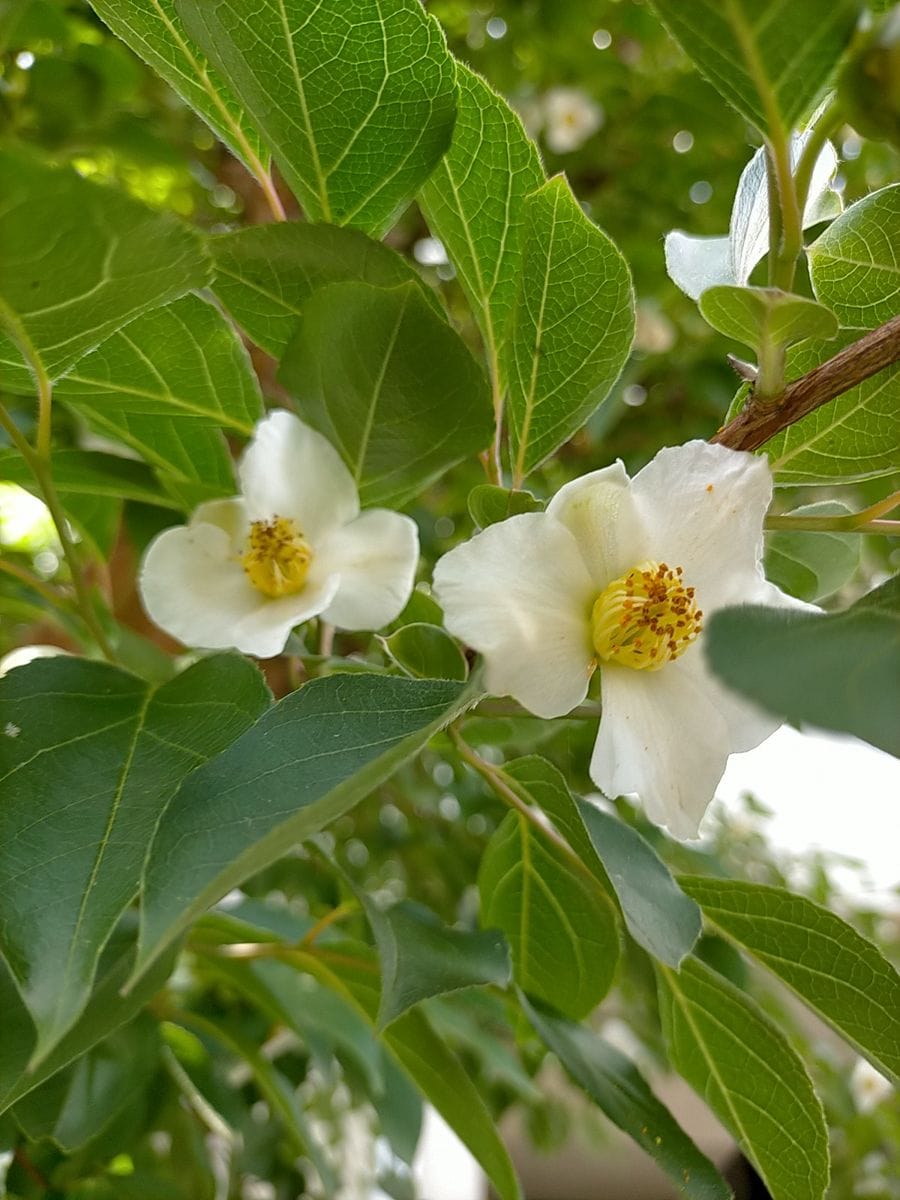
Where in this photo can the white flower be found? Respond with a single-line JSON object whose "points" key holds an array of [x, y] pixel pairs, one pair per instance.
{"points": [[570, 117], [245, 571], [622, 574], [868, 1086]]}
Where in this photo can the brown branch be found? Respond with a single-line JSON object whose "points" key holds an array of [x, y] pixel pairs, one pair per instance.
{"points": [[760, 420]]}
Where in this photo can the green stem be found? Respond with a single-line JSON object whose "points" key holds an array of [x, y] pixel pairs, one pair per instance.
{"points": [[770, 377], [865, 521], [51, 595], [830, 120], [26, 347], [782, 275]]}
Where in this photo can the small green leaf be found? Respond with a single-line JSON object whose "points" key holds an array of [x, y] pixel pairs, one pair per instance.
{"points": [[815, 565], [427, 652], [390, 384], [839, 974], [572, 325], [80, 261], [474, 203], [311, 758], [835, 671], [90, 757], [560, 924], [619, 1090], [265, 274], [489, 504], [768, 58], [421, 957], [79, 473], [766, 316], [353, 155], [738, 1061], [855, 266]]}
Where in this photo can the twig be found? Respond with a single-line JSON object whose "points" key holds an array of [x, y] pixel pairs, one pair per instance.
{"points": [[759, 420]]}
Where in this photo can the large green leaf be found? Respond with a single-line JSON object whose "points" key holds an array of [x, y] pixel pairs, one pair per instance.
{"points": [[80, 261], [572, 325], [810, 565], [838, 671], [619, 1090], [308, 760], [474, 203], [265, 274], [833, 968], [153, 30], [738, 1061], [355, 100], [855, 263], [769, 58], [390, 385], [89, 759], [79, 473], [560, 923]]}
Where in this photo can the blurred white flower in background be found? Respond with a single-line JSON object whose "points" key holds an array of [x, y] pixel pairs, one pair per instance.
{"points": [[23, 655], [868, 1086], [570, 117]]}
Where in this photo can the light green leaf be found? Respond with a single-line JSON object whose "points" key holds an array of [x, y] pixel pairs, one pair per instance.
{"points": [[838, 671], [390, 385], [312, 757], [736, 1059], [560, 923], [572, 325], [855, 264], [815, 565], [474, 203], [427, 652], [79, 473], [352, 155], [766, 316], [839, 974], [489, 504], [619, 1090], [80, 261], [768, 58], [88, 761], [153, 30], [265, 274]]}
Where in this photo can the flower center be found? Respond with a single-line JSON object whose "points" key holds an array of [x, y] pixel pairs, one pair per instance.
{"points": [[646, 618], [277, 557]]}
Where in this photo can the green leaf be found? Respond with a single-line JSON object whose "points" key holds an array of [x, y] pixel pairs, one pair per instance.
{"points": [[308, 760], [768, 58], [88, 473], [619, 1090], [353, 155], [489, 504], [153, 30], [427, 652], [815, 565], [390, 384], [265, 274], [89, 758], [766, 316], [839, 974], [474, 203], [421, 957], [855, 265], [80, 261], [736, 1059], [572, 325], [835, 671], [560, 923]]}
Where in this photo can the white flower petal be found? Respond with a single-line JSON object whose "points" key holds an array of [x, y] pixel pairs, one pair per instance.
{"points": [[662, 737], [193, 586], [520, 594], [228, 515], [376, 557], [588, 507], [290, 470], [701, 507], [748, 725]]}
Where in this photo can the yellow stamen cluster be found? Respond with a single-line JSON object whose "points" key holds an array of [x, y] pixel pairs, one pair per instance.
{"points": [[646, 618], [277, 557]]}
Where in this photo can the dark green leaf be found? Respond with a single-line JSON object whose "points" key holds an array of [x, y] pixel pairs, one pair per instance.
{"points": [[88, 760], [840, 974], [489, 504], [814, 565], [80, 473], [427, 652], [572, 325], [854, 264], [736, 1059], [838, 671], [353, 155], [390, 384], [616, 1086], [761, 317]]}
